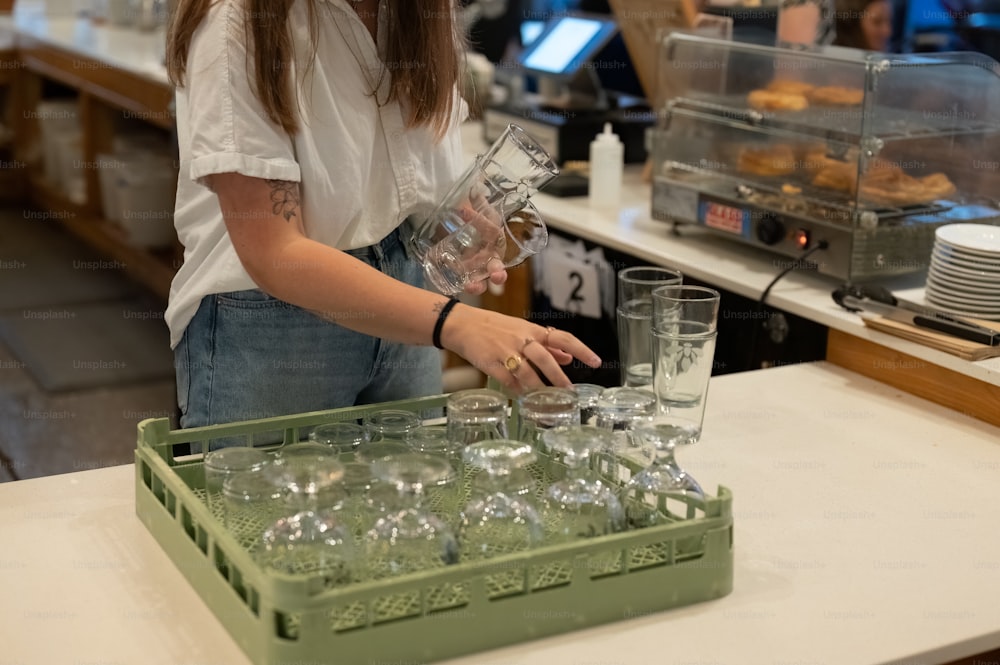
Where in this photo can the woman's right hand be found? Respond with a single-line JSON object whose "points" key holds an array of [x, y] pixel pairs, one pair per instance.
{"points": [[515, 352]]}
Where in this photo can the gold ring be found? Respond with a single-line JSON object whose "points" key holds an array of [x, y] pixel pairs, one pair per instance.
{"points": [[548, 331], [527, 341], [513, 363]]}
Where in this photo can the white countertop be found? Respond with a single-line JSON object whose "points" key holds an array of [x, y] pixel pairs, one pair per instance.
{"points": [[864, 535], [128, 49], [729, 265]]}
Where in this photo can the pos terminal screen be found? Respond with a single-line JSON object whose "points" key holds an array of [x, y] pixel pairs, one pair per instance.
{"points": [[567, 43]]}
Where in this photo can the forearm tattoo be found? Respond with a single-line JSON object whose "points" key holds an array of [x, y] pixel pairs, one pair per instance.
{"points": [[284, 198]]}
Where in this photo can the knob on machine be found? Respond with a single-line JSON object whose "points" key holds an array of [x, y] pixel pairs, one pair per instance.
{"points": [[769, 229]]}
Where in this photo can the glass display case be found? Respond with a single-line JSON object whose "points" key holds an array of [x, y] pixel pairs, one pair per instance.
{"points": [[862, 153]]}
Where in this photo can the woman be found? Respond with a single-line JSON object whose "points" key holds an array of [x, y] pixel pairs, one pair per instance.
{"points": [[309, 130], [864, 24], [805, 23]]}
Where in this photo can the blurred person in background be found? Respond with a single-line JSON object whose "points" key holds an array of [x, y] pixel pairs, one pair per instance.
{"points": [[864, 24]]}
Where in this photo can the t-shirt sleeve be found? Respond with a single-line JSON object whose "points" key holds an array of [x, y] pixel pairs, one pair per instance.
{"points": [[228, 129]]}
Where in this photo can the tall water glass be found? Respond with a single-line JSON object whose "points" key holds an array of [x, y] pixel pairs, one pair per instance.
{"points": [[476, 415], [684, 336], [635, 312]]}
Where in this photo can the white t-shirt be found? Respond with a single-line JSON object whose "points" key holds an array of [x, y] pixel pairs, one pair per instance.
{"points": [[361, 171]]}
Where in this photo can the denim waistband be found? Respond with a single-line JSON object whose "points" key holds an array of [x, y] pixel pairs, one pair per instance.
{"points": [[385, 246]]}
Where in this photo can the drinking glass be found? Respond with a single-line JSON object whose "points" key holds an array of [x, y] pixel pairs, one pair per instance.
{"points": [[684, 335], [498, 519], [318, 545], [476, 415], [647, 493], [342, 437], [487, 236], [635, 311], [582, 505], [225, 462], [587, 395], [311, 484], [621, 411], [387, 432], [445, 499], [487, 182], [543, 409], [252, 502], [410, 538], [515, 157], [390, 425], [366, 499]]}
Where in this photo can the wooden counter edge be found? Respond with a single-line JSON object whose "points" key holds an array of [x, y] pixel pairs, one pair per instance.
{"points": [[918, 377]]}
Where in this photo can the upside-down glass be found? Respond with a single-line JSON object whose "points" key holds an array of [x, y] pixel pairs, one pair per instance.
{"points": [[540, 410], [498, 519], [587, 395], [366, 498], [225, 462], [387, 431], [445, 499], [312, 485], [476, 415], [343, 437], [317, 545], [253, 501], [544, 408], [647, 494], [621, 411], [684, 334], [487, 236], [410, 538], [634, 314], [582, 505]]}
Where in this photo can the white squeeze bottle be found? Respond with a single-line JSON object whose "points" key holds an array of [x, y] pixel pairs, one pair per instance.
{"points": [[607, 161]]}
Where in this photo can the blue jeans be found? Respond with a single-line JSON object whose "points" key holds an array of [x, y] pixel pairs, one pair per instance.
{"points": [[247, 355]]}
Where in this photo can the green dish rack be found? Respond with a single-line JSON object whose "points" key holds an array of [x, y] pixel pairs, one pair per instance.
{"points": [[422, 617]]}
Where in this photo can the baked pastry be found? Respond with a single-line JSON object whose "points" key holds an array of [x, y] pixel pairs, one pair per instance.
{"points": [[790, 86], [893, 187], [835, 95], [841, 176], [772, 160], [768, 100]]}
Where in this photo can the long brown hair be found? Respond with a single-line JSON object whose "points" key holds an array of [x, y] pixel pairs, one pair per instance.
{"points": [[424, 51]]}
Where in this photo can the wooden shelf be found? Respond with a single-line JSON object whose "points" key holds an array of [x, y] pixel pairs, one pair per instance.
{"points": [[139, 96], [103, 92], [152, 269]]}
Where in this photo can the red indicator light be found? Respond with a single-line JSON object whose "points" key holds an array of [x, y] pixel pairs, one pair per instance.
{"points": [[801, 237]]}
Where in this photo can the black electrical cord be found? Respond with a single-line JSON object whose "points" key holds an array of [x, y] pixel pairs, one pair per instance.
{"points": [[762, 301]]}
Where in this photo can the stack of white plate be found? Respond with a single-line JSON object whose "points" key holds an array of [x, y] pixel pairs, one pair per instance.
{"points": [[964, 276]]}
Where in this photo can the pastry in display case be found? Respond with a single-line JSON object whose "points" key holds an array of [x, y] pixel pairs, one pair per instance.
{"points": [[861, 154]]}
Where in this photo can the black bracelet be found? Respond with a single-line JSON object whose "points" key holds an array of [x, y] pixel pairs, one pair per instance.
{"points": [[445, 311]]}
